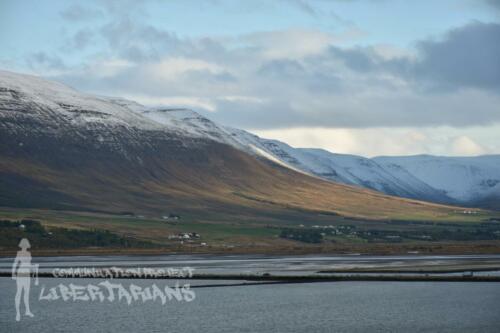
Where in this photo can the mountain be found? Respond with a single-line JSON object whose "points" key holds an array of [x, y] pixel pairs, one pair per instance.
{"points": [[452, 180], [346, 169], [63, 149], [471, 180]]}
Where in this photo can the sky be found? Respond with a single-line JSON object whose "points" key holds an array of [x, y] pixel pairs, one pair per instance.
{"points": [[373, 77]]}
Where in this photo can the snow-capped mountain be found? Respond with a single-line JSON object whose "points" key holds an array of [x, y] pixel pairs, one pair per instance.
{"points": [[63, 149], [52, 99], [346, 169], [31, 107], [465, 179], [189, 122], [461, 180]]}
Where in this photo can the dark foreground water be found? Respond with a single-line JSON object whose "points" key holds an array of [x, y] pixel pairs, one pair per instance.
{"points": [[311, 307]]}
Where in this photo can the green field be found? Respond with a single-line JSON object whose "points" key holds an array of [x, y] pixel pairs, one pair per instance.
{"points": [[218, 234]]}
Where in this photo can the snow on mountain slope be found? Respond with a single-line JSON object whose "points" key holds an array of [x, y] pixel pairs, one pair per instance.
{"points": [[52, 99], [346, 169], [51, 105], [65, 150], [464, 179], [274, 150], [364, 172], [30, 97], [190, 123], [432, 178]]}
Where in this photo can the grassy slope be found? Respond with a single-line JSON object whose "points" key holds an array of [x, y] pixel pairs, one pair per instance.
{"points": [[227, 182], [157, 171]]}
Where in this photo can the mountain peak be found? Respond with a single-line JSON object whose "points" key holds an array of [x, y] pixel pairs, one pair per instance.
{"points": [[425, 177]]}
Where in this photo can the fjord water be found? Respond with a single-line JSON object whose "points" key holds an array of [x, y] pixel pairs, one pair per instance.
{"points": [[306, 307]]}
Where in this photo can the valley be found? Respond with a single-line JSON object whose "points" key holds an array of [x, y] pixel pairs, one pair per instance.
{"points": [[96, 164], [156, 235]]}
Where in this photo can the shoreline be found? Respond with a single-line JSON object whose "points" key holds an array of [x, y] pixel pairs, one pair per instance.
{"points": [[455, 248], [283, 279]]}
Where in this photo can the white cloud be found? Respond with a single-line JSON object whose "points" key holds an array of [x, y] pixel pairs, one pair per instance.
{"points": [[171, 68], [390, 52], [293, 43], [390, 141], [108, 68], [463, 145], [239, 98]]}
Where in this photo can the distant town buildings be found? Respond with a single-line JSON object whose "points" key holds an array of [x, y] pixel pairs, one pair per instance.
{"points": [[173, 217], [185, 236]]}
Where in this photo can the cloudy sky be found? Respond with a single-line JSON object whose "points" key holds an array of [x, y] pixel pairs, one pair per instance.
{"points": [[374, 77]]}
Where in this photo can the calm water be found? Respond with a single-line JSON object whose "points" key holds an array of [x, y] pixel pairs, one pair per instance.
{"points": [[319, 307]]}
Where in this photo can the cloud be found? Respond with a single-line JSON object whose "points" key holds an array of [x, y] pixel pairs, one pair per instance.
{"points": [[77, 12], [463, 145], [308, 86], [303, 6], [172, 68], [48, 63], [493, 3], [108, 68], [137, 42], [292, 43], [351, 109], [357, 58], [389, 141], [301, 77], [467, 57], [79, 41], [283, 68]]}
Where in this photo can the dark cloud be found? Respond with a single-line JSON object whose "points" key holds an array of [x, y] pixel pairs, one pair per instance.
{"points": [[358, 59], [467, 57], [367, 60], [304, 76], [493, 3], [260, 84], [136, 41], [360, 87], [354, 110]]}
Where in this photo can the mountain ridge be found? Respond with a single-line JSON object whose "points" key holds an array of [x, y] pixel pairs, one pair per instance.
{"points": [[78, 150], [380, 173]]}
